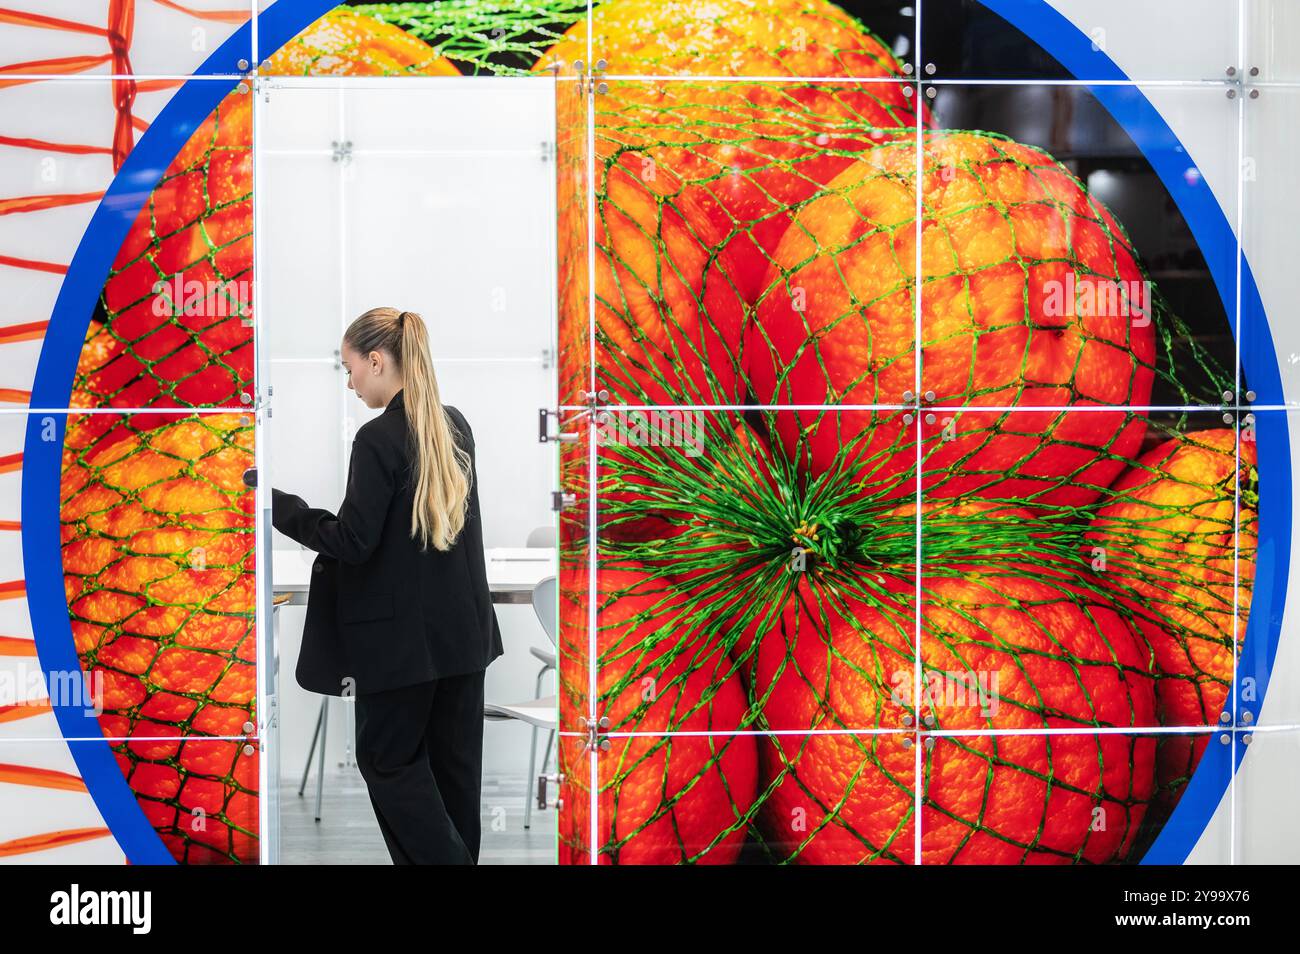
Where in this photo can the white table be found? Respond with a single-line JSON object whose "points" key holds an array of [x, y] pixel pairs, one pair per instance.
{"points": [[512, 572]]}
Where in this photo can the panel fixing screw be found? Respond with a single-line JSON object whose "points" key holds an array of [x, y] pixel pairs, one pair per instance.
{"points": [[907, 741], [242, 64], [1232, 94], [1227, 397], [1227, 419], [1225, 717], [929, 419], [1231, 71], [907, 718], [907, 419], [1247, 718], [1254, 94], [931, 92], [908, 397], [929, 396], [1250, 396], [250, 749], [907, 69], [602, 88], [929, 742], [242, 88], [600, 66], [1245, 739], [907, 92], [931, 69], [929, 719], [245, 397], [248, 728], [1254, 71]]}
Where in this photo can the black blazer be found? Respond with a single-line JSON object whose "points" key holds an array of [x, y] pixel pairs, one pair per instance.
{"points": [[381, 613]]}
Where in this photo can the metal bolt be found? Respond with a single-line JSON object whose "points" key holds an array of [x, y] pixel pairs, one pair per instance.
{"points": [[929, 720], [929, 419], [929, 396], [1254, 94], [1227, 396], [602, 88], [907, 92], [931, 92], [245, 420], [1250, 396], [1247, 718], [908, 397], [601, 66], [907, 718], [579, 65], [242, 64], [602, 396], [1245, 739], [1225, 717], [1232, 94], [246, 398], [241, 88], [1232, 71], [1225, 739], [907, 741], [1227, 419], [929, 742], [907, 419], [931, 69], [250, 749], [248, 728], [604, 745], [907, 69]]}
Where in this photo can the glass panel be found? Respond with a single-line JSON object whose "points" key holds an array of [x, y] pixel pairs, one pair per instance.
{"points": [[1270, 346], [126, 38], [873, 39], [1059, 268], [1087, 39], [705, 204], [1045, 798], [1267, 786], [412, 39], [1272, 34], [1080, 570], [573, 199], [173, 325], [1265, 695]]}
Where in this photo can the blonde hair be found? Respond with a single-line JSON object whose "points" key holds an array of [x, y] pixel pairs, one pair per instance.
{"points": [[443, 470]]}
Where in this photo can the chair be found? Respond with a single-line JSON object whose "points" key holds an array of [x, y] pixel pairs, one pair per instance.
{"points": [[538, 712], [542, 537]]}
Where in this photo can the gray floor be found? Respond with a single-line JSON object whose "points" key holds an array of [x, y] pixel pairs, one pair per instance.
{"points": [[348, 833]]}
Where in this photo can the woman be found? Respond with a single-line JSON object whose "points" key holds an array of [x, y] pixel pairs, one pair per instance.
{"points": [[399, 612]]}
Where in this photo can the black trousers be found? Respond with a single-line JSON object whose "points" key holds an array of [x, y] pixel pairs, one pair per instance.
{"points": [[420, 750]]}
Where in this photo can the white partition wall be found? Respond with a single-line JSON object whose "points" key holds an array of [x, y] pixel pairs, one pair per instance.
{"points": [[435, 196]]}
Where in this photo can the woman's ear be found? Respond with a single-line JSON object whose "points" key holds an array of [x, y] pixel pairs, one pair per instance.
{"points": [[376, 362]]}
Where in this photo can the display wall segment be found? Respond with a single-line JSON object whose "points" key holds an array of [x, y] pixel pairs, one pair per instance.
{"points": [[129, 39], [724, 138]]}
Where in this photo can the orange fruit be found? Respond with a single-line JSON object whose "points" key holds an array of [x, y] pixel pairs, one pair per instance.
{"points": [[157, 523], [1011, 644], [681, 789], [157, 536], [696, 179], [1171, 534], [1005, 231]]}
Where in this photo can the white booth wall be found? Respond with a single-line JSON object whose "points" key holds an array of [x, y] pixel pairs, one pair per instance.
{"points": [[435, 196]]}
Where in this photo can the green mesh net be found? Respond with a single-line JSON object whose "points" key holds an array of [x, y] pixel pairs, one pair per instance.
{"points": [[838, 619]]}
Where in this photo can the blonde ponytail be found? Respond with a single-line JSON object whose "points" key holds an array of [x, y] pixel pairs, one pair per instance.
{"points": [[442, 469]]}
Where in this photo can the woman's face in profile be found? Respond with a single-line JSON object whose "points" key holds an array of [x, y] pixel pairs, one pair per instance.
{"points": [[364, 374]]}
